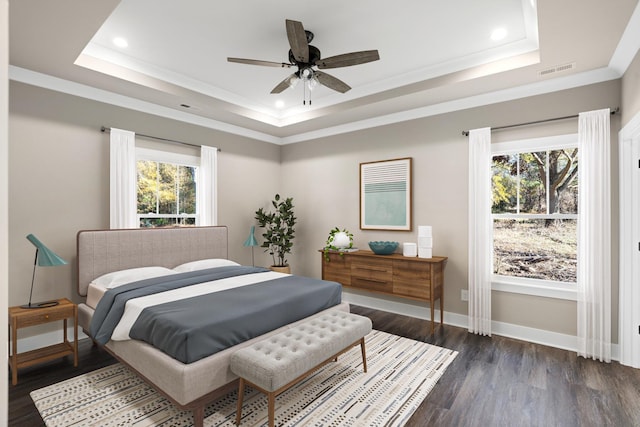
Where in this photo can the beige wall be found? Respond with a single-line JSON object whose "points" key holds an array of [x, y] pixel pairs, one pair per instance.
{"points": [[58, 184], [631, 91], [322, 176], [59, 180]]}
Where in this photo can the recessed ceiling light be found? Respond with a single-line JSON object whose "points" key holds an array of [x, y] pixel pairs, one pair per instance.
{"points": [[498, 34], [120, 42], [279, 103]]}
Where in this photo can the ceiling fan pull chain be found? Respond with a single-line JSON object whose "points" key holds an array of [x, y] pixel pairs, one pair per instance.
{"points": [[304, 94]]}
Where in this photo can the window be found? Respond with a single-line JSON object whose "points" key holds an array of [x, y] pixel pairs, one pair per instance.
{"points": [[535, 213], [166, 189]]}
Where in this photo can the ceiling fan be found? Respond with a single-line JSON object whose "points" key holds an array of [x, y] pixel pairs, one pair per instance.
{"points": [[306, 57]]}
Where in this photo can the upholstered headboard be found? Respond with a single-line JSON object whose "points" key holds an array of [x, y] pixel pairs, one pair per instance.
{"points": [[104, 251]]}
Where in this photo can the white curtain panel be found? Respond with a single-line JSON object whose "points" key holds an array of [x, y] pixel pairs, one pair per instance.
{"points": [[594, 236], [480, 231], [123, 203], [207, 186]]}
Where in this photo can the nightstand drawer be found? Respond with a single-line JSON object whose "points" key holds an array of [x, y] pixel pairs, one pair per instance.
{"points": [[39, 318]]}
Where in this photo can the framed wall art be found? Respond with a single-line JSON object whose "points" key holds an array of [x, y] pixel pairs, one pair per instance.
{"points": [[385, 195]]}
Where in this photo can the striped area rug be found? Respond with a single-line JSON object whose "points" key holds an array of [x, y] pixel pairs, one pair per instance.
{"points": [[401, 373]]}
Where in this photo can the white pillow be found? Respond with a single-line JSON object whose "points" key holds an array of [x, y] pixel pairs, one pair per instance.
{"points": [[122, 277], [203, 264]]}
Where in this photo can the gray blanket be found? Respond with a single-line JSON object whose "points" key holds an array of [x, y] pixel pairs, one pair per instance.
{"points": [[197, 327], [111, 306]]}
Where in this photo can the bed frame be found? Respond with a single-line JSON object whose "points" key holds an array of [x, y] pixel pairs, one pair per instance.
{"points": [[190, 386]]}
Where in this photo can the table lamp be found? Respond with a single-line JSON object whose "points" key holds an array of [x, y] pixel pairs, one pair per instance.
{"points": [[251, 241], [45, 257]]}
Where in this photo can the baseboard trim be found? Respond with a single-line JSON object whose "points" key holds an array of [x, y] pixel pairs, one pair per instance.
{"points": [[509, 330], [418, 310]]}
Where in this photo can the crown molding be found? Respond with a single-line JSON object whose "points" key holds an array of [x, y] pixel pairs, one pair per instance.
{"points": [[547, 86]]}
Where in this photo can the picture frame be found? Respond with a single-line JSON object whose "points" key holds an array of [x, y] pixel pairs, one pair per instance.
{"points": [[386, 194]]}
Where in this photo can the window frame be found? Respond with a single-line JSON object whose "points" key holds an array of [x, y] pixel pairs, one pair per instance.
{"points": [[160, 156], [523, 285]]}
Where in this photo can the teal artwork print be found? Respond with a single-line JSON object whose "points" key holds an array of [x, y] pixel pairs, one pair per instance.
{"points": [[385, 203], [385, 195]]}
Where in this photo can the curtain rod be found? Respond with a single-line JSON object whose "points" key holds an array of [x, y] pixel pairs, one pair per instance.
{"points": [[466, 132], [106, 129]]}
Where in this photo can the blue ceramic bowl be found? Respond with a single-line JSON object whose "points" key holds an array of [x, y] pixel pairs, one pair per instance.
{"points": [[383, 248]]}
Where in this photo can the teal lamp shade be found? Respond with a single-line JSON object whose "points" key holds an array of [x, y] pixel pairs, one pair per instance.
{"points": [[251, 241], [45, 257]]}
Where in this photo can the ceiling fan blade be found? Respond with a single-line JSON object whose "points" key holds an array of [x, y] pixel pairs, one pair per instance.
{"points": [[348, 59], [297, 40], [285, 84], [259, 62], [331, 82]]}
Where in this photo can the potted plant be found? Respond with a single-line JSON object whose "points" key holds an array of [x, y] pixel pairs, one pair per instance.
{"points": [[279, 231], [338, 240]]}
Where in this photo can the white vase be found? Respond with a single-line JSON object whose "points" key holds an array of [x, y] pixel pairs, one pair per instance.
{"points": [[341, 240]]}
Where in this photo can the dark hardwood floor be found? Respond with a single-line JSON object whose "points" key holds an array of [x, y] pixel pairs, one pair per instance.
{"points": [[22, 412], [492, 382]]}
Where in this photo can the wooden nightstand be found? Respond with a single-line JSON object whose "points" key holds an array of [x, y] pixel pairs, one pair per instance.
{"points": [[25, 317]]}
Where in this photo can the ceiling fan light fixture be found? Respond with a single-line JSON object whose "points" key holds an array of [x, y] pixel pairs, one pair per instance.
{"points": [[292, 81], [312, 82]]}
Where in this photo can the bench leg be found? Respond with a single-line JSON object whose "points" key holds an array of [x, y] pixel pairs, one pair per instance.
{"points": [[240, 398], [364, 354], [272, 408], [198, 417]]}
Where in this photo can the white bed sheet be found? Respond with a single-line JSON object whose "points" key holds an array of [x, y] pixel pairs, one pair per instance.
{"points": [[94, 294]]}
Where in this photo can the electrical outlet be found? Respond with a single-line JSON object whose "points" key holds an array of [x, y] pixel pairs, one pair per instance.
{"points": [[464, 295]]}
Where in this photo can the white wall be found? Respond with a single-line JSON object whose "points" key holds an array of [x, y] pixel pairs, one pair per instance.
{"points": [[4, 201], [631, 91]]}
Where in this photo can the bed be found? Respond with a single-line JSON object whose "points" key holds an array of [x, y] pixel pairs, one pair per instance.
{"points": [[200, 378]]}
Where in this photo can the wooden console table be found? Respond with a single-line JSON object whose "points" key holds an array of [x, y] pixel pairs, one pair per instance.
{"points": [[415, 278]]}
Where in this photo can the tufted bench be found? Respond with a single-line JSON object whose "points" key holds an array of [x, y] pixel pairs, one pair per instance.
{"points": [[278, 362]]}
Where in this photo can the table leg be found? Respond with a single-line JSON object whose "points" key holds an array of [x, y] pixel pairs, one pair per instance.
{"points": [[432, 316], [14, 351], [75, 337]]}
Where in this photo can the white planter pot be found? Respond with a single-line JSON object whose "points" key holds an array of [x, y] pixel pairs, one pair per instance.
{"points": [[341, 240]]}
